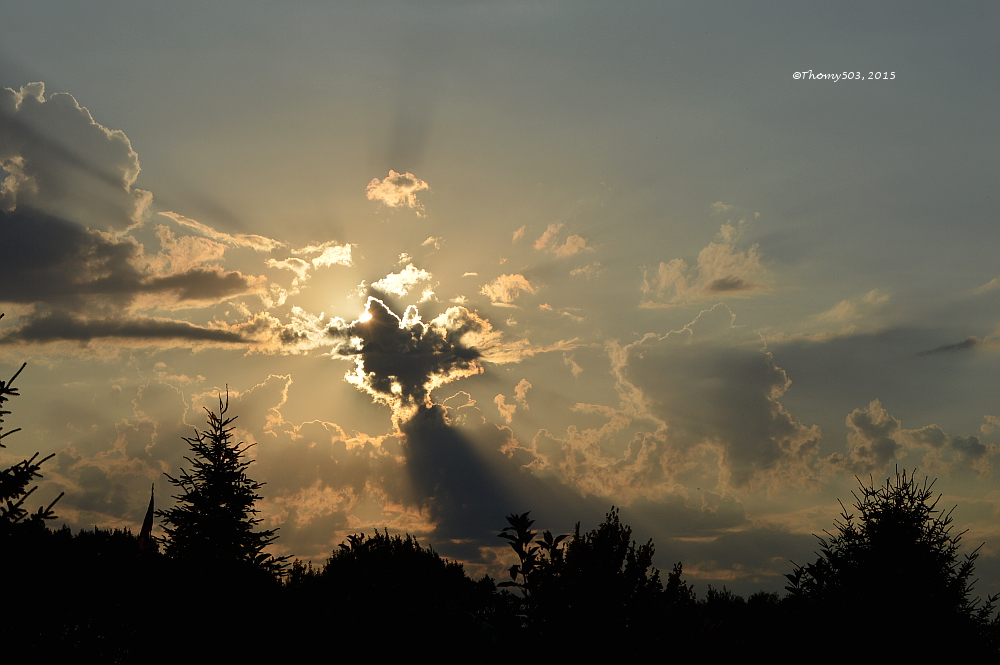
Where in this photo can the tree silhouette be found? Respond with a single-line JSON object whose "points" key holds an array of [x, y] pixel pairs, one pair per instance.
{"points": [[896, 570], [213, 523], [14, 480], [598, 581], [378, 584]]}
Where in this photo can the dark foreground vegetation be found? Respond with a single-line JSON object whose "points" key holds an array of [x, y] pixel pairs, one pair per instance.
{"points": [[888, 582]]}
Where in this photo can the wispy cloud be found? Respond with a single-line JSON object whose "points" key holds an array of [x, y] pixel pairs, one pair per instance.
{"points": [[256, 242]]}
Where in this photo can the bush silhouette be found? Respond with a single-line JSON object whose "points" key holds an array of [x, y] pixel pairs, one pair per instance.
{"points": [[596, 581], [383, 584]]}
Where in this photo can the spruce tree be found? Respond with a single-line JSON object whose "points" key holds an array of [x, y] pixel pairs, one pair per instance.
{"points": [[14, 481], [213, 522], [897, 571]]}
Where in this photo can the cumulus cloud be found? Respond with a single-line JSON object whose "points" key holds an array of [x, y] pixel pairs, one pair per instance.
{"points": [[399, 361], [505, 289], [715, 388], [518, 234], [877, 439], [699, 407], [401, 283], [397, 190], [61, 161], [67, 208], [547, 238], [722, 269], [328, 254]]}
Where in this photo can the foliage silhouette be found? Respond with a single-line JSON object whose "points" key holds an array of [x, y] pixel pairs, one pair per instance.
{"points": [[214, 521], [14, 480], [536, 558], [901, 548], [389, 584], [595, 582]]}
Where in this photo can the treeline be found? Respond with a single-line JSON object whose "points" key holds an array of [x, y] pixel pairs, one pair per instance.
{"points": [[889, 582]]}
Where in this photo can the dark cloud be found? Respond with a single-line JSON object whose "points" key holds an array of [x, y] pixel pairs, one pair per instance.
{"points": [[84, 281], [878, 439], [730, 283], [875, 439], [60, 160], [967, 343], [61, 326], [399, 361], [460, 473], [971, 448], [715, 387]]}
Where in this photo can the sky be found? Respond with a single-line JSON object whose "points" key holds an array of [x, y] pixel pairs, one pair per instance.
{"points": [[453, 261]]}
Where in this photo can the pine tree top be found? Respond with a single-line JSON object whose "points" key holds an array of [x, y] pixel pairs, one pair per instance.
{"points": [[215, 517]]}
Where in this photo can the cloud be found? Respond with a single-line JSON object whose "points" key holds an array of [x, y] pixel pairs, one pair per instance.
{"points": [[397, 190], [521, 392], [506, 410], [298, 266], [877, 439], [49, 261], [715, 388], [432, 241], [965, 344], [573, 244], [69, 179], [719, 206], [518, 234], [721, 268], [400, 283], [546, 239], [505, 289], [256, 242], [856, 308], [588, 271], [60, 161], [61, 326], [399, 361], [330, 254], [699, 407]]}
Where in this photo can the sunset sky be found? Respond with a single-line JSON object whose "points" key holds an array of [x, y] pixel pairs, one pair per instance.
{"points": [[454, 260]]}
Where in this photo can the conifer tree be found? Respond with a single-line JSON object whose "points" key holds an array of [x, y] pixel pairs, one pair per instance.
{"points": [[213, 522], [897, 570], [14, 480]]}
